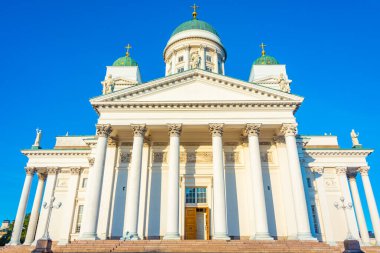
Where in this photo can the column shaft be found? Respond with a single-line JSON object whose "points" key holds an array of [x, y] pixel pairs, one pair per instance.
{"points": [[70, 206], [219, 185], [203, 57], [373, 212], [31, 232], [174, 63], [172, 226], [256, 174], [95, 180], [187, 57], [19, 221], [303, 227], [133, 184], [358, 209]]}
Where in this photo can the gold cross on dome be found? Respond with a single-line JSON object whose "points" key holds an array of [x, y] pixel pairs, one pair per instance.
{"points": [[195, 7], [128, 47], [262, 45]]}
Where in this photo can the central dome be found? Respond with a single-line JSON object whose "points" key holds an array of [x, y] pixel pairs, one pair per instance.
{"points": [[195, 24]]}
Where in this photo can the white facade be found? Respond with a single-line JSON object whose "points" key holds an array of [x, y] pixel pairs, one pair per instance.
{"points": [[234, 143]]}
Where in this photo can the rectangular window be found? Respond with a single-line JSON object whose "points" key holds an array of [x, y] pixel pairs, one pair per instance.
{"points": [[179, 70], [84, 182], [196, 195], [180, 59], [315, 219], [79, 219], [208, 58]]}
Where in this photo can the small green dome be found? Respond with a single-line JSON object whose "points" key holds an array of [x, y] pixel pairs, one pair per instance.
{"points": [[125, 61], [195, 24], [266, 60]]}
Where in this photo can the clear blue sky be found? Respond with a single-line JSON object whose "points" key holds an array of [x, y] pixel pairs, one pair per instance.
{"points": [[53, 56]]}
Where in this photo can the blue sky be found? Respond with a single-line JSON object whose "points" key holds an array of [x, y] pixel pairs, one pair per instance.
{"points": [[53, 56]]}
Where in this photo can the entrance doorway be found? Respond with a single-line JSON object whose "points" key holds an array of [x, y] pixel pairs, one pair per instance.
{"points": [[197, 223]]}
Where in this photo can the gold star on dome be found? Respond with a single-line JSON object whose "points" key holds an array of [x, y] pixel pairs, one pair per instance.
{"points": [[262, 45]]}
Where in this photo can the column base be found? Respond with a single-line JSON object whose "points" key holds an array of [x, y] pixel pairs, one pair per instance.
{"points": [[88, 237], [14, 243], [306, 237], [27, 243], [261, 236], [172, 236], [332, 243], [63, 242], [221, 236], [292, 238]]}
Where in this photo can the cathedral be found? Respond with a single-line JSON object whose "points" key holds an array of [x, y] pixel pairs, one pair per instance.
{"points": [[197, 155]]}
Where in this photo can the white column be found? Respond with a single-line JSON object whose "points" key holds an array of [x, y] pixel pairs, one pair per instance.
{"points": [[216, 62], [257, 186], [203, 57], [345, 189], [219, 183], [69, 206], [223, 67], [94, 186], [32, 226], [172, 225], [374, 214], [358, 208], [187, 57], [133, 184], [303, 227], [19, 221], [326, 219]]}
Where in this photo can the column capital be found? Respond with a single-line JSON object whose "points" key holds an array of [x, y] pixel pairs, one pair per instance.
{"points": [[175, 129], [289, 129], [75, 170], [52, 170], [352, 175], [252, 129], [364, 170], [139, 130], [41, 176], [30, 170], [317, 170], [341, 170], [91, 161], [103, 130], [112, 141], [216, 129]]}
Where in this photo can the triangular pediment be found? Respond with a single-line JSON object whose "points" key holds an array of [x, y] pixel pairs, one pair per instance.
{"points": [[196, 86]]}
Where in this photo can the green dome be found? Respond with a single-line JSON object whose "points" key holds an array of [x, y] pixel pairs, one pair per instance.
{"points": [[195, 24], [265, 60], [125, 61]]}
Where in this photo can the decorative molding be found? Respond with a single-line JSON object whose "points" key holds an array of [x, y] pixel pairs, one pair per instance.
{"points": [[337, 152], [252, 129], [30, 171], [175, 129], [317, 170], [289, 129], [125, 157], [52, 170], [112, 141], [103, 130], [216, 129], [91, 161], [364, 170], [75, 170], [52, 152], [139, 130], [341, 170]]}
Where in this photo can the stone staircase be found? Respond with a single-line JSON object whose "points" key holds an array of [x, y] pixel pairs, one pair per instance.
{"points": [[240, 246]]}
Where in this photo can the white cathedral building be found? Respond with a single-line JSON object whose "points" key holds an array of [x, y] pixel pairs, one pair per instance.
{"points": [[198, 155]]}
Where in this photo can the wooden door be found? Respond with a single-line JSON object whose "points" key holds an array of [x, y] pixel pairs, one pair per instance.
{"points": [[207, 223], [190, 223]]}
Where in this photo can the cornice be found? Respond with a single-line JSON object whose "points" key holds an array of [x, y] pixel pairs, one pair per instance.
{"points": [[338, 152], [52, 152]]}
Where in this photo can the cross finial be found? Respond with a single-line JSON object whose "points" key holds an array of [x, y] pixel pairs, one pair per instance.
{"points": [[262, 45], [128, 47], [195, 7]]}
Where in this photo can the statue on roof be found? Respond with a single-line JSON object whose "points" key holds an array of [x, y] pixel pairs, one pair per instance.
{"points": [[354, 138], [195, 60], [38, 138], [108, 85]]}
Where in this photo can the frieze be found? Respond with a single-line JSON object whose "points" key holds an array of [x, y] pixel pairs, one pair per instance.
{"points": [[196, 157]]}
